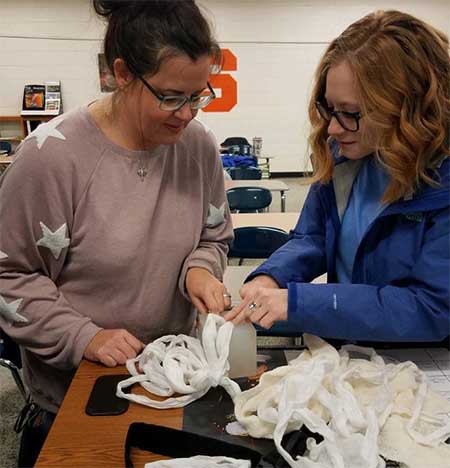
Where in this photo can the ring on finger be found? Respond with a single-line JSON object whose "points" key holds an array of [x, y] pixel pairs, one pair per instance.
{"points": [[252, 305], [227, 295]]}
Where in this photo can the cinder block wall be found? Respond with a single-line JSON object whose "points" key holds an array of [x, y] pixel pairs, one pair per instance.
{"points": [[277, 44]]}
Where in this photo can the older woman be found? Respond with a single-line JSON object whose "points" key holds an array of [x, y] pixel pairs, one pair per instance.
{"points": [[114, 217]]}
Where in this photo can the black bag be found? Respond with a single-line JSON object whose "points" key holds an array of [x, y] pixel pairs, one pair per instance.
{"points": [[181, 444]]}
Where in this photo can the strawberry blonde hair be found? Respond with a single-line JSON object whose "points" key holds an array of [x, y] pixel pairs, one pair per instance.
{"points": [[402, 72]]}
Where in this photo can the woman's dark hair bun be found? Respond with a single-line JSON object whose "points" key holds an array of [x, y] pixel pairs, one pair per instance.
{"points": [[143, 33], [106, 8]]}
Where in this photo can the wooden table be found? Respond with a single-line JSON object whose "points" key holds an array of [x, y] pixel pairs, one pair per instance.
{"points": [[285, 221], [264, 166], [80, 441], [6, 160], [77, 440], [272, 185]]}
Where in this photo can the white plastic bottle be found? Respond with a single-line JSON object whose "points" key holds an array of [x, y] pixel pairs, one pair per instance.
{"points": [[242, 357]]}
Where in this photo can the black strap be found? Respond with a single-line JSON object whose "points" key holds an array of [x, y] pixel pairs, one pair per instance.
{"points": [[33, 415], [181, 444], [26, 416]]}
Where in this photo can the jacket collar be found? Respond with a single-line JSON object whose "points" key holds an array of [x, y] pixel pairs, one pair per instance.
{"points": [[343, 177], [428, 197], [425, 199]]}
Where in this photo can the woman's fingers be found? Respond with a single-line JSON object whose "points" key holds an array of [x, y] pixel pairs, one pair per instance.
{"points": [[135, 344], [236, 314], [199, 305]]}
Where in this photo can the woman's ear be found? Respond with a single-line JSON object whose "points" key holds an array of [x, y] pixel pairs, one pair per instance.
{"points": [[122, 73]]}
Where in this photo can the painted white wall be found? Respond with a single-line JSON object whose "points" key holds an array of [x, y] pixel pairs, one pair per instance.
{"points": [[278, 45]]}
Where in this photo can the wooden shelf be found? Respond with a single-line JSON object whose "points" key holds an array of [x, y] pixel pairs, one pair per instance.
{"points": [[21, 122], [10, 118], [44, 118], [16, 139], [13, 123]]}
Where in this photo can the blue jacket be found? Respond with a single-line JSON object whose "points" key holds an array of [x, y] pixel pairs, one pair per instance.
{"points": [[401, 274]]}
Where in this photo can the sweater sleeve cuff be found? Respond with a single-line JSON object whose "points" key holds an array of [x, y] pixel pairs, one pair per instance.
{"points": [[197, 263], [295, 305], [274, 273], [85, 335]]}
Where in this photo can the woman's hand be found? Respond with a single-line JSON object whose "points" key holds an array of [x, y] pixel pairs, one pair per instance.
{"points": [[113, 347], [261, 281], [263, 306], [207, 293]]}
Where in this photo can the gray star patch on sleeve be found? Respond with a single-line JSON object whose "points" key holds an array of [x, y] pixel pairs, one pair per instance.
{"points": [[9, 311], [216, 216], [55, 241], [45, 131]]}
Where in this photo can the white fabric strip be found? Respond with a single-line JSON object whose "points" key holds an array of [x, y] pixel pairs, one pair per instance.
{"points": [[200, 462], [362, 407], [347, 401], [182, 364]]}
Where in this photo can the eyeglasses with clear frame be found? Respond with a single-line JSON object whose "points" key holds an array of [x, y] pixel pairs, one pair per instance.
{"points": [[347, 120], [174, 103]]}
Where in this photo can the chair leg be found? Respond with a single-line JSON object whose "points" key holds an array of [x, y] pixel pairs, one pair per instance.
{"points": [[16, 376], [241, 260]]}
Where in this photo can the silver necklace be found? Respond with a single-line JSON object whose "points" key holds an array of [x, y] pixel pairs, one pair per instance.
{"points": [[142, 172]]}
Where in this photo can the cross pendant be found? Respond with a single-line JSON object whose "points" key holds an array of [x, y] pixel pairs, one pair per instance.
{"points": [[142, 172]]}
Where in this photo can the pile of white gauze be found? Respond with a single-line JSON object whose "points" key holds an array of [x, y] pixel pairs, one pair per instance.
{"points": [[361, 406], [184, 365]]}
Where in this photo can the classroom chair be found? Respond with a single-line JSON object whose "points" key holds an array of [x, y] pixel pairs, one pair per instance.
{"points": [[256, 242], [245, 173], [248, 199]]}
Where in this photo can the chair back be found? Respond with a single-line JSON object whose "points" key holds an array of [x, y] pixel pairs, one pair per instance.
{"points": [[245, 173], [248, 199], [5, 146], [256, 241], [233, 143], [10, 358]]}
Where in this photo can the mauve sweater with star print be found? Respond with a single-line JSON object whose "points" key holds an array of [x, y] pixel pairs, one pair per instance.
{"points": [[85, 244]]}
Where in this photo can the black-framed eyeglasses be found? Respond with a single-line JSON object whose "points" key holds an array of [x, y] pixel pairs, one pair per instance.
{"points": [[347, 120], [174, 103]]}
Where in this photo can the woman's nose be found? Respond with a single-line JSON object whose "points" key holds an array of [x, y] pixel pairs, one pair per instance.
{"points": [[185, 112], [334, 127]]}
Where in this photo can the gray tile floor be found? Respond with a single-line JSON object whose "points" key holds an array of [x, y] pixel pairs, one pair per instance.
{"points": [[10, 399], [10, 405]]}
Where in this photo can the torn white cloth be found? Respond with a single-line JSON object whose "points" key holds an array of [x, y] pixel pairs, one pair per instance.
{"points": [[410, 454], [182, 364], [362, 407], [200, 461], [353, 404]]}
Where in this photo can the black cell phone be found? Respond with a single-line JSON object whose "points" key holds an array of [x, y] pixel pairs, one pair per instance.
{"points": [[103, 400]]}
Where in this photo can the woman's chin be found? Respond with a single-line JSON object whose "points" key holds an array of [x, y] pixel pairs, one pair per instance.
{"points": [[354, 153]]}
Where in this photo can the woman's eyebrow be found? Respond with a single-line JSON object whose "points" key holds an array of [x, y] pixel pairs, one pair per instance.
{"points": [[341, 103], [173, 91], [177, 91]]}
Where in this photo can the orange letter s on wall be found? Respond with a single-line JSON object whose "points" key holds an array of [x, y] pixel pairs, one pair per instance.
{"points": [[226, 83]]}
